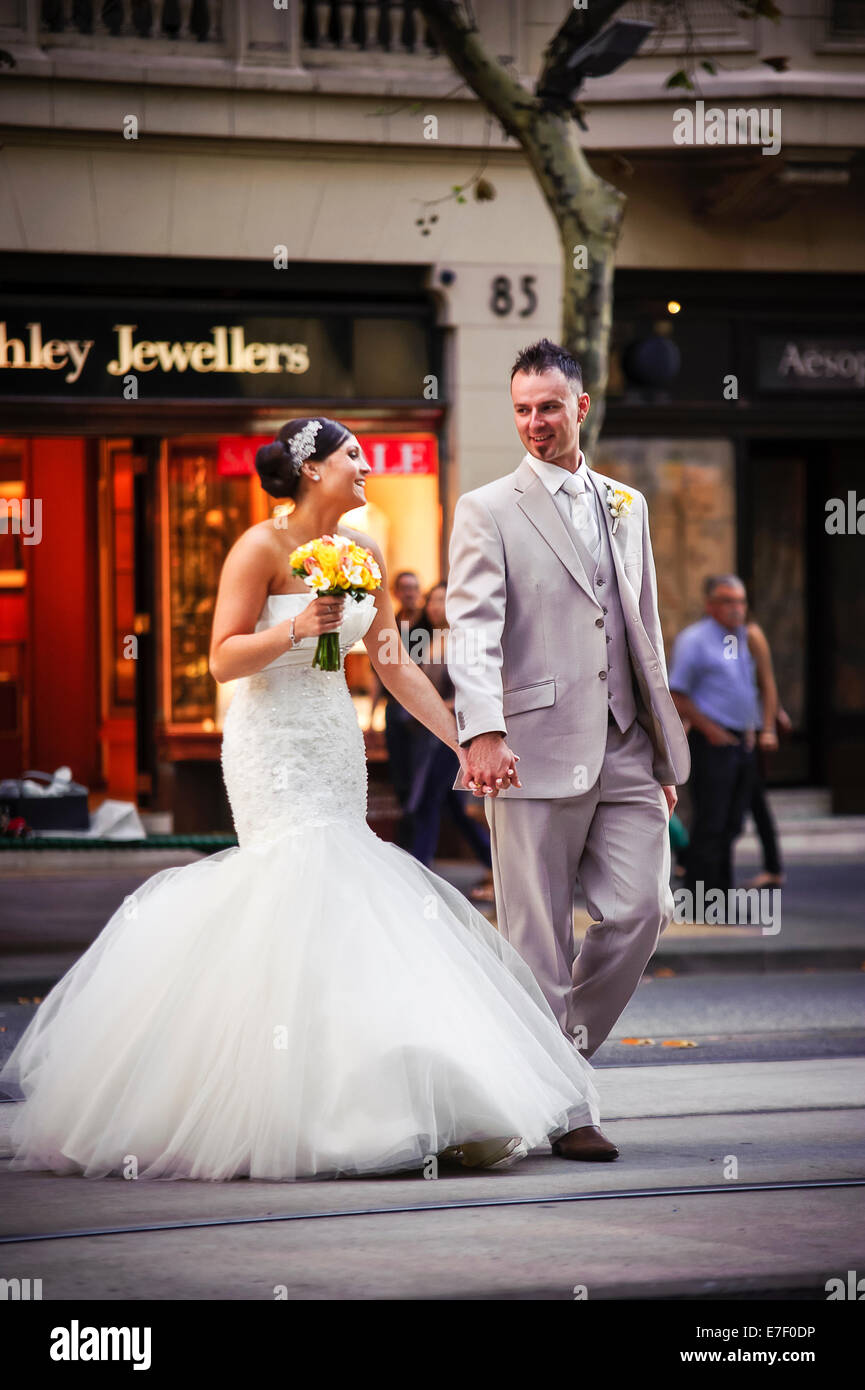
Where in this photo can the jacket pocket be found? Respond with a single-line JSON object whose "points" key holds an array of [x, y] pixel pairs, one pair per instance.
{"points": [[524, 697]]}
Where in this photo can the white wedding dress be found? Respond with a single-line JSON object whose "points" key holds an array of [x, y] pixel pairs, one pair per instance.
{"points": [[310, 1002]]}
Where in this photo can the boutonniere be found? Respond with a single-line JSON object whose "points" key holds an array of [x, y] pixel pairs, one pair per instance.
{"points": [[619, 502]]}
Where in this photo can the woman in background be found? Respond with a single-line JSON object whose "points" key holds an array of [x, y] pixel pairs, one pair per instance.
{"points": [[436, 765], [774, 718]]}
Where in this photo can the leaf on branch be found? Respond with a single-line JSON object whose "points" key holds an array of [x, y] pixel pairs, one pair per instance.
{"points": [[779, 64], [622, 165], [484, 191], [709, 66], [680, 79]]}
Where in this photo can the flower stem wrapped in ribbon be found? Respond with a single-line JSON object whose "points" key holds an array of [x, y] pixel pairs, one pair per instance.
{"points": [[334, 565]]}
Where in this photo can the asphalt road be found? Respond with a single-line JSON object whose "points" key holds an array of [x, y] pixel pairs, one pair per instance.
{"points": [[726, 1018], [757, 1017]]}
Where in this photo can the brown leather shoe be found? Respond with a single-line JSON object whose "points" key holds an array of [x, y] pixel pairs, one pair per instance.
{"points": [[587, 1142]]}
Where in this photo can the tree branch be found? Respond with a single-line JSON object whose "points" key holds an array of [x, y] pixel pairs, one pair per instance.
{"points": [[458, 37]]}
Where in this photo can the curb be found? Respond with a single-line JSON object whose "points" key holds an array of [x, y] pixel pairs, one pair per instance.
{"points": [[765, 960]]}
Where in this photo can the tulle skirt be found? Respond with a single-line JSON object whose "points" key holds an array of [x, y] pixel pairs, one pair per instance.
{"points": [[321, 1005]]}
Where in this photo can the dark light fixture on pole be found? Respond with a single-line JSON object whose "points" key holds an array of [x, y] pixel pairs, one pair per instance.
{"points": [[600, 55]]}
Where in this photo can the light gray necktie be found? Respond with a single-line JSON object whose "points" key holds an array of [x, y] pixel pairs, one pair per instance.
{"points": [[583, 514]]}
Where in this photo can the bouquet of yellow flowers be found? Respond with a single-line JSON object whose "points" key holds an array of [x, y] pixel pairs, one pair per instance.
{"points": [[334, 565]]}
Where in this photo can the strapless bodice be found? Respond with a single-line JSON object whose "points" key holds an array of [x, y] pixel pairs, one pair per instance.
{"points": [[292, 750], [357, 617]]}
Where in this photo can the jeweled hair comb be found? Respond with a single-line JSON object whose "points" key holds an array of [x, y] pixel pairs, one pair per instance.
{"points": [[302, 444]]}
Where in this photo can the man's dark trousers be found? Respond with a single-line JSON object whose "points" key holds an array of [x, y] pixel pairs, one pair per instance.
{"points": [[721, 783]]}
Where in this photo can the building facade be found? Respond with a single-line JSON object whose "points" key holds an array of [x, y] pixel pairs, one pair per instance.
{"points": [[248, 213]]}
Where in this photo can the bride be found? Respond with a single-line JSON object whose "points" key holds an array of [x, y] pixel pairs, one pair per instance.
{"points": [[313, 1001]]}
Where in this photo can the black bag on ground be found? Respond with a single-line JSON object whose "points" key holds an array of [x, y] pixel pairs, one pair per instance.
{"points": [[67, 812]]}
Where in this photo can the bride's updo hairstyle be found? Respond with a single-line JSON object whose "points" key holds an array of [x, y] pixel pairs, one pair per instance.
{"points": [[279, 467]]}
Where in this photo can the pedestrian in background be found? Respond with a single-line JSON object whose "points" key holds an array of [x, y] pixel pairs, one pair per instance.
{"points": [[436, 766], [713, 684]]}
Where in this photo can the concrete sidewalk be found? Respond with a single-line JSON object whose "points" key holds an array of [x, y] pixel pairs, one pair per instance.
{"points": [[536, 1231]]}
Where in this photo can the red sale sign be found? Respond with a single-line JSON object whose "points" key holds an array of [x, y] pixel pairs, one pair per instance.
{"points": [[387, 454], [400, 453], [236, 456]]}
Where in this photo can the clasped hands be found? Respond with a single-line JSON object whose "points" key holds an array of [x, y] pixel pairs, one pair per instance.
{"points": [[489, 766]]}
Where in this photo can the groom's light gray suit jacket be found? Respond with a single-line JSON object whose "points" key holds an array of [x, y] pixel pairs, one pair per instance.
{"points": [[528, 637]]}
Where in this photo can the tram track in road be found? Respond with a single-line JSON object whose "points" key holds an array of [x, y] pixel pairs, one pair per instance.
{"points": [[548, 1199]]}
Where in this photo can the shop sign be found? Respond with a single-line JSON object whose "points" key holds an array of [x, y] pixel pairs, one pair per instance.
{"points": [[152, 350], [824, 364]]}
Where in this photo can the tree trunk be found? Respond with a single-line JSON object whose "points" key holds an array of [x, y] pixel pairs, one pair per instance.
{"points": [[589, 213]]}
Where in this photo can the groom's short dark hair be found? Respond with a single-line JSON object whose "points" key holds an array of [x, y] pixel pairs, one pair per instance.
{"points": [[545, 356]]}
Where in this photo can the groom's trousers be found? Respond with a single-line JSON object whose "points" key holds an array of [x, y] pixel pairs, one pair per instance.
{"points": [[614, 840]]}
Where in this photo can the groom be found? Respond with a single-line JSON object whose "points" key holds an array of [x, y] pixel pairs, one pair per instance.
{"points": [[557, 660]]}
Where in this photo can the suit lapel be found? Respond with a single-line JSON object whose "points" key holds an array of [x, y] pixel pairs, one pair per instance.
{"points": [[542, 512], [601, 484]]}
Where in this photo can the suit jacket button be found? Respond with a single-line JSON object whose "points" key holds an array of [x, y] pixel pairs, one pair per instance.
{"points": [[602, 675], [599, 622]]}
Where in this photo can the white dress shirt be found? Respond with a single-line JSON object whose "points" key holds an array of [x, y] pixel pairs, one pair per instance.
{"points": [[574, 497]]}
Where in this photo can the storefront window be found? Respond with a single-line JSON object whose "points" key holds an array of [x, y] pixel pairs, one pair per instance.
{"points": [[206, 514], [13, 607], [689, 485], [122, 589]]}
